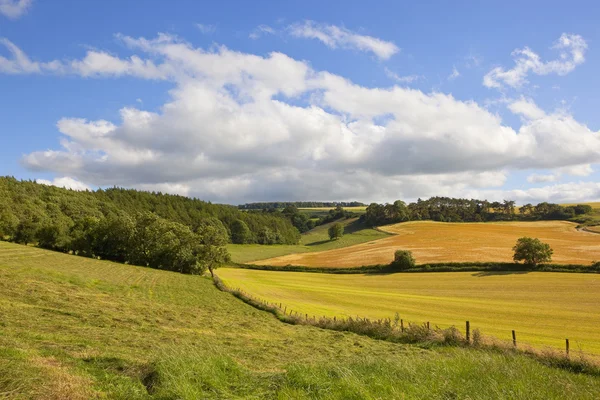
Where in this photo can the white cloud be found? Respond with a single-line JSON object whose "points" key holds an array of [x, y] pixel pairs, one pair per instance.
{"points": [[334, 36], [537, 178], [65, 182], [401, 79], [14, 8], [242, 127], [261, 30], [455, 74], [206, 28], [572, 50], [526, 108]]}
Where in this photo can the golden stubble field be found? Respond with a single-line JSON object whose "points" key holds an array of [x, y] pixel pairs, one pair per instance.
{"points": [[543, 307], [432, 242]]}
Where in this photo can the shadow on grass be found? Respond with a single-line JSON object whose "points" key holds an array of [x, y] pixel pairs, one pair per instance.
{"points": [[482, 274]]}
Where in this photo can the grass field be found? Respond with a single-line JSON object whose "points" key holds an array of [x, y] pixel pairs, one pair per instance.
{"points": [[544, 308], [432, 242], [316, 239], [76, 328]]}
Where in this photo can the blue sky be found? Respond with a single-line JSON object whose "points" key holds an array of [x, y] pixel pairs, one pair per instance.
{"points": [[249, 101]]}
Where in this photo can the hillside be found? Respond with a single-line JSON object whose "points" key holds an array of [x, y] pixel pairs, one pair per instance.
{"points": [[432, 242], [317, 239], [78, 328], [543, 307]]}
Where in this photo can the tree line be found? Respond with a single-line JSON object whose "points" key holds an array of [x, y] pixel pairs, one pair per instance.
{"points": [[298, 204], [447, 209], [53, 217]]}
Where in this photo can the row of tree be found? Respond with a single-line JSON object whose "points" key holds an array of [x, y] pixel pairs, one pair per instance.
{"points": [[26, 204], [299, 204], [448, 209]]}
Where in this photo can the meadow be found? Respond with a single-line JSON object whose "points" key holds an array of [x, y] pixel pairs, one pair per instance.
{"points": [[78, 328], [432, 242], [314, 240], [544, 308]]}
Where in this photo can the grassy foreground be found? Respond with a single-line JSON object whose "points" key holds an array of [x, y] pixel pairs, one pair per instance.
{"points": [[543, 307], [75, 328], [432, 242], [316, 239]]}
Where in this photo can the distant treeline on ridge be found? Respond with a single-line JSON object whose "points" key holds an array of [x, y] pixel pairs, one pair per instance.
{"points": [[447, 209], [298, 204]]}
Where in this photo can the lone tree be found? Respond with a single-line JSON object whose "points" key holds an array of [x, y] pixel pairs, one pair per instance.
{"points": [[336, 231], [403, 260], [532, 251]]}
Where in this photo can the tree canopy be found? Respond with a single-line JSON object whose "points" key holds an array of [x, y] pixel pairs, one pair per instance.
{"points": [[532, 251]]}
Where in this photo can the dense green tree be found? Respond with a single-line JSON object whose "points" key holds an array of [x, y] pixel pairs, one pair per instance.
{"points": [[213, 253], [532, 251], [336, 231], [240, 233], [8, 223]]}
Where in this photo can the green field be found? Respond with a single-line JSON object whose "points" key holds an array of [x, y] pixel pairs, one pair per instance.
{"points": [[544, 308], [77, 328], [316, 239]]}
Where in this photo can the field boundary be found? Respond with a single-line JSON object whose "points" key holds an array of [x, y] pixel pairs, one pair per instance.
{"points": [[424, 334], [431, 267]]}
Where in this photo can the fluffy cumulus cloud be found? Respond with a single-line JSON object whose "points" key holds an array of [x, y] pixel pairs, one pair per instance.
{"points": [[337, 37], [571, 50], [242, 127], [14, 8]]}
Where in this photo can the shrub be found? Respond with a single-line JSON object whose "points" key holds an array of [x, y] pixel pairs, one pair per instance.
{"points": [[403, 260], [336, 231]]}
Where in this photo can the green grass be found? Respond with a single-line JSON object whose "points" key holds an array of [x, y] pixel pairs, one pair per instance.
{"points": [[543, 307], [76, 328], [314, 240]]}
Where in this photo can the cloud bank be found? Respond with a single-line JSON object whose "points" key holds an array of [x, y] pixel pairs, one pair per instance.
{"points": [[242, 127]]}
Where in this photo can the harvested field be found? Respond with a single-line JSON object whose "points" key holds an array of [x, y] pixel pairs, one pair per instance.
{"points": [[433, 242], [543, 307]]}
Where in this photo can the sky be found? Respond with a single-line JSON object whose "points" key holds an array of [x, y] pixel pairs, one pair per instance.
{"points": [[237, 101]]}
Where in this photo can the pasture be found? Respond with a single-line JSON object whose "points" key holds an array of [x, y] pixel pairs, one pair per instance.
{"points": [[544, 308], [316, 239], [78, 328], [432, 242]]}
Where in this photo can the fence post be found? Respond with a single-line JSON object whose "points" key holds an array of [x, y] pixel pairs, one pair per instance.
{"points": [[567, 343], [427, 325], [402, 325], [285, 311], [514, 335], [468, 332]]}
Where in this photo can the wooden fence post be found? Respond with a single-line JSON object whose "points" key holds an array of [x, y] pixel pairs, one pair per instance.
{"points": [[567, 343], [468, 332], [514, 335], [427, 325], [402, 325], [285, 311]]}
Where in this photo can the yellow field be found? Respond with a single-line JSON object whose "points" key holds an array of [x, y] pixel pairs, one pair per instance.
{"points": [[543, 307], [432, 242]]}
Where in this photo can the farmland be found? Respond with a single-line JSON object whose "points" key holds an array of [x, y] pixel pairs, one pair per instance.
{"points": [[316, 239], [542, 307], [78, 328], [433, 242]]}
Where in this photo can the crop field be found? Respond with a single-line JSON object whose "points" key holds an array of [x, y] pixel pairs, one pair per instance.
{"points": [[77, 328], [543, 307], [316, 239], [432, 242]]}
